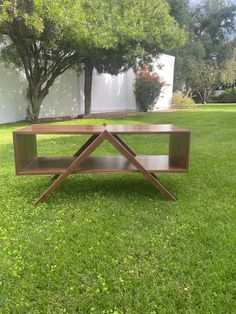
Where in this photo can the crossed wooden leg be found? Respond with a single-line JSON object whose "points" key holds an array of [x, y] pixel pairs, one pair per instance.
{"points": [[150, 176], [75, 164], [83, 153], [80, 151], [131, 151]]}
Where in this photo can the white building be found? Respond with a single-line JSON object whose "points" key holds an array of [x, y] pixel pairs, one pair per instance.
{"points": [[66, 97]]}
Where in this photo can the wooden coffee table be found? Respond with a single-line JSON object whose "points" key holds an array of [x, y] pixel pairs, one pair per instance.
{"points": [[28, 162]]}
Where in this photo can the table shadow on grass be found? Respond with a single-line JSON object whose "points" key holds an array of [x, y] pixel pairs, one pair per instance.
{"points": [[118, 187]]}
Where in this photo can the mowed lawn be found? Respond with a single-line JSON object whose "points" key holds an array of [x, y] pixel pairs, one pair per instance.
{"points": [[111, 243]]}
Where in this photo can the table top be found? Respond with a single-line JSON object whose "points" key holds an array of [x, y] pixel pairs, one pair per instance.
{"points": [[97, 129]]}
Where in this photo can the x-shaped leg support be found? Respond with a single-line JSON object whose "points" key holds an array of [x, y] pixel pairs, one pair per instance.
{"points": [[149, 176], [85, 151], [80, 151]]}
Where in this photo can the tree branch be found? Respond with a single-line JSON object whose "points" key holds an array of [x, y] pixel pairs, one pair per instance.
{"points": [[14, 8]]}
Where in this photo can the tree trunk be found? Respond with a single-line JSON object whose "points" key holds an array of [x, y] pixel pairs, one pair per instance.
{"points": [[203, 100], [33, 109], [88, 86], [188, 92], [35, 99], [205, 97]]}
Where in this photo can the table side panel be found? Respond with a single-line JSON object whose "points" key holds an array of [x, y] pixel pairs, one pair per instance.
{"points": [[25, 150], [179, 148]]}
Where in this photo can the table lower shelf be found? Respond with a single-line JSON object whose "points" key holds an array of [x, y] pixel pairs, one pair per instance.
{"points": [[98, 164]]}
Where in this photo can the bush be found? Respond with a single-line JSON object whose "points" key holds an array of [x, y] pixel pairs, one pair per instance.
{"points": [[180, 101], [228, 96], [147, 88]]}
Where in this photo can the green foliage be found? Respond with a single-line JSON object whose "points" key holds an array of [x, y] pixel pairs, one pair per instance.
{"points": [[180, 10], [228, 75], [138, 29], [49, 36], [10, 56], [110, 243], [39, 43], [179, 101], [206, 79], [228, 96], [147, 88], [211, 39]]}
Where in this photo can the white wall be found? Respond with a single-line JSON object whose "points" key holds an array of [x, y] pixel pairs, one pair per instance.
{"points": [[165, 68], [63, 98], [110, 93], [12, 100], [115, 93], [66, 97]]}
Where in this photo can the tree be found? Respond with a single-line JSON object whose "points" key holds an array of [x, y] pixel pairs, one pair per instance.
{"points": [[228, 75], [211, 39], [214, 25], [137, 28], [180, 10], [48, 36], [38, 44], [206, 80]]}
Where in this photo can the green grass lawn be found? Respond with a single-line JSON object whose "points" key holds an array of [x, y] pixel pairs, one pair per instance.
{"points": [[110, 243]]}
